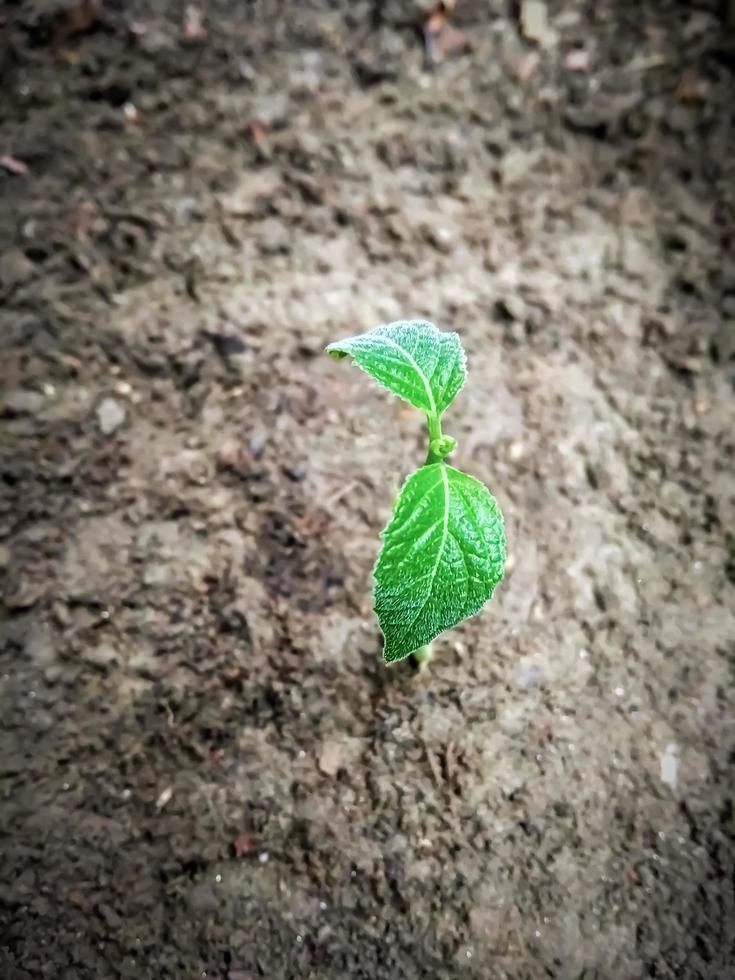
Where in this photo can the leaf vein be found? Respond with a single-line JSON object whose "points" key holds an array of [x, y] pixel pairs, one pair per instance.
{"points": [[440, 550], [414, 364]]}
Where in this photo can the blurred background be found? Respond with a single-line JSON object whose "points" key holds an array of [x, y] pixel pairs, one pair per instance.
{"points": [[205, 769]]}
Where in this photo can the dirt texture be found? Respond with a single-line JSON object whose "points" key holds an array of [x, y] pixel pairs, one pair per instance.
{"points": [[205, 769]]}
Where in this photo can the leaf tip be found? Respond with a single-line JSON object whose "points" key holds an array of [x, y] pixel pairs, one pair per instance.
{"points": [[336, 352]]}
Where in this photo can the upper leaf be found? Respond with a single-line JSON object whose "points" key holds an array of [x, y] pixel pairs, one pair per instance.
{"points": [[443, 554], [411, 358]]}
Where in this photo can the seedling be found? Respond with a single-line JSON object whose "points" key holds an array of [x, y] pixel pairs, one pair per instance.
{"points": [[443, 550]]}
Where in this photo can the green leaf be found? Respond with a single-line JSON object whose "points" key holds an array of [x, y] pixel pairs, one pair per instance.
{"points": [[411, 358], [443, 554]]}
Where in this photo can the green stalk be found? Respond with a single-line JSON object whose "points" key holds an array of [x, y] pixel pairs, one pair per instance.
{"points": [[439, 447], [422, 657], [435, 435]]}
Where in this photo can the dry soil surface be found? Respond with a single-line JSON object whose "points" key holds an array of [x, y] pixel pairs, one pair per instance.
{"points": [[205, 769]]}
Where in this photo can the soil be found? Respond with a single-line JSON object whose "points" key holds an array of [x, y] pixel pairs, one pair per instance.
{"points": [[206, 771]]}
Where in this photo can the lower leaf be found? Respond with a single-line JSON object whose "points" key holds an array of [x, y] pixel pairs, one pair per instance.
{"points": [[443, 554]]}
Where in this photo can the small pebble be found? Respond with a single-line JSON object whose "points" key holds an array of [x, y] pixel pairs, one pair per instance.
{"points": [[110, 415], [23, 402], [670, 765]]}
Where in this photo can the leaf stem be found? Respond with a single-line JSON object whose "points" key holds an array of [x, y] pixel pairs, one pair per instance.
{"points": [[423, 656], [435, 434]]}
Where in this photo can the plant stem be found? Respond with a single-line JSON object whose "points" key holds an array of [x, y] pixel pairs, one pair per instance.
{"points": [[435, 432], [423, 656]]}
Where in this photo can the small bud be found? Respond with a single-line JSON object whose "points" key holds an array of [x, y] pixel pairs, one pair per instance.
{"points": [[443, 447]]}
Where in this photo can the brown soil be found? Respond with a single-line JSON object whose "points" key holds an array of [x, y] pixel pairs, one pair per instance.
{"points": [[205, 769]]}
